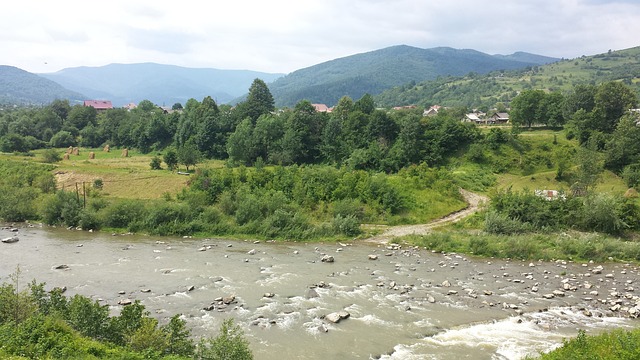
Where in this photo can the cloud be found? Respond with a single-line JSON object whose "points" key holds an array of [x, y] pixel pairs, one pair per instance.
{"points": [[285, 35]]}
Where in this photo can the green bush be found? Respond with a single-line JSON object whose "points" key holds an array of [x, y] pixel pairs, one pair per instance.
{"points": [[18, 204], [123, 213], [502, 224], [51, 156], [347, 225], [229, 344], [89, 220], [63, 207]]}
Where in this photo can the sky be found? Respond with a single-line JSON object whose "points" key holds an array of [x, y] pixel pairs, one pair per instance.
{"points": [[281, 36]]}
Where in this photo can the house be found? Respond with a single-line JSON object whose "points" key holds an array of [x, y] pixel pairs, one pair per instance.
{"points": [[130, 106], [473, 118], [432, 110], [322, 108], [404, 107], [99, 105], [499, 118]]}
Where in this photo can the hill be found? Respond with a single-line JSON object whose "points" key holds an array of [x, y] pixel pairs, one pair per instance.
{"points": [[162, 84], [376, 71], [19, 87], [475, 90]]}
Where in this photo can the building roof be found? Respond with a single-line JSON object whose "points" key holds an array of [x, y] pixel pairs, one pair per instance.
{"points": [[501, 115], [473, 117], [99, 104], [321, 108]]}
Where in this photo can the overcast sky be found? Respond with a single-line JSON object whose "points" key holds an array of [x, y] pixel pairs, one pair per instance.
{"points": [[286, 35]]}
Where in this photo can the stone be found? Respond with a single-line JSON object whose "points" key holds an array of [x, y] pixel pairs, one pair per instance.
{"points": [[337, 316], [446, 283], [251, 252], [548, 296], [191, 288], [327, 259], [373, 257], [125, 302], [228, 299], [558, 293], [61, 267], [431, 299], [145, 290], [312, 293], [268, 295]]}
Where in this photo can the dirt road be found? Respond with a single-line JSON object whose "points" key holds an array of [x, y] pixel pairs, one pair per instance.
{"points": [[474, 200]]}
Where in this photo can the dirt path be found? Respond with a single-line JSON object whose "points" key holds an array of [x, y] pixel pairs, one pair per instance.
{"points": [[474, 200]]}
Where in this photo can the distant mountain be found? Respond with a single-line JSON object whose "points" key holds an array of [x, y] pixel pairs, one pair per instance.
{"points": [[528, 58], [21, 87], [474, 90], [161, 84], [376, 71]]}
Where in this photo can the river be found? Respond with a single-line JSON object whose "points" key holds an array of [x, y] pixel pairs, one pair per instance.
{"points": [[406, 304]]}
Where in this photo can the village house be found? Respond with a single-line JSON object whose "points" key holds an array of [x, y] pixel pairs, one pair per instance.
{"points": [[432, 111], [99, 105], [499, 118], [404, 107], [322, 108], [473, 118]]}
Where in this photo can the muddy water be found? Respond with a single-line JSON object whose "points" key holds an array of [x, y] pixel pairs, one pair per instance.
{"points": [[407, 304]]}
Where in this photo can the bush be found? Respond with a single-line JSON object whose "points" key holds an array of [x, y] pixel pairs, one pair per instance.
{"points": [[63, 207], [62, 139], [230, 344], [51, 156], [18, 204], [502, 224], [156, 163], [603, 213], [89, 220], [122, 214], [347, 225]]}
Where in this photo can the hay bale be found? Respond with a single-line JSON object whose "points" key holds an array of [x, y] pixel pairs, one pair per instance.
{"points": [[92, 155], [69, 150], [66, 156], [631, 193], [106, 148], [125, 153], [76, 151]]}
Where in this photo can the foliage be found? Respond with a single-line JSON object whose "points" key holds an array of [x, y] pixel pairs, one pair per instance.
{"points": [[230, 344], [617, 344], [51, 156], [156, 163]]}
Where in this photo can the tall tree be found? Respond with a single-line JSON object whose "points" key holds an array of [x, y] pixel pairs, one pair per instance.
{"points": [[259, 101], [612, 100], [527, 109]]}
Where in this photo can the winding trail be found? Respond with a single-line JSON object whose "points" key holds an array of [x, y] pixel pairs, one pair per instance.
{"points": [[474, 201]]}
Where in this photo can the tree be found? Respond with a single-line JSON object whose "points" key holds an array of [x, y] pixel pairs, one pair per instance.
{"points": [[365, 104], [80, 116], [229, 345], [527, 108], [188, 154], [171, 159], [240, 143], [259, 101], [612, 100], [582, 97], [62, 139], [623, 148]]}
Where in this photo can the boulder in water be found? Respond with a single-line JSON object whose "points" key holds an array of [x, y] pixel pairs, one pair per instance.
{"points": [[10, 240], [337, 316]]}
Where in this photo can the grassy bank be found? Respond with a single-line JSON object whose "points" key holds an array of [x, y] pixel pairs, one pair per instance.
{"points": [[615, 345], [574, 246]]}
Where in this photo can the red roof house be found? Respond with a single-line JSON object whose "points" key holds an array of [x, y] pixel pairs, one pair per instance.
{"points": [[99, 104]]}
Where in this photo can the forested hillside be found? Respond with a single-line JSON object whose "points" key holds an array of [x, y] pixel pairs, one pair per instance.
{"points": [[475, 90], [19, 87], [375, 71]]}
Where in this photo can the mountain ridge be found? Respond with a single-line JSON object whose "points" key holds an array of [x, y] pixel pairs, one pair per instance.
{"points": [[375, 71]]}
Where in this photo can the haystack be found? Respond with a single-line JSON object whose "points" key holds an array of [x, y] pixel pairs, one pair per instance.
{"points": [[66, 156], [125, 153], [106, 148], [631, 193], [92, 155], [76, 151], [69, 150]]}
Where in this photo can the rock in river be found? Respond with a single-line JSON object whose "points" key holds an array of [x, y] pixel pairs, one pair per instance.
{"points": [[10, 240], [327, 259], [337, 316]]}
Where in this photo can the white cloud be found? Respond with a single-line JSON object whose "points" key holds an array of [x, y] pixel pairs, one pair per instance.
{"points": [[285, 35]]}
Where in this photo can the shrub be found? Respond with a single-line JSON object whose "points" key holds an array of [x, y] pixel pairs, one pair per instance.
{"points": [[62, 208], [89, 220], [18, 204], [62, 139], [156, 163], [603, 213], [229, 344], [502, 224], [347, 225], [122, 214], [51, 156]]}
